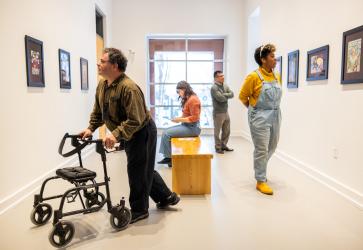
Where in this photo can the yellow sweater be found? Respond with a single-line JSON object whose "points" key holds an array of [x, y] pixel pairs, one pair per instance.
{"points": [[252, 86]]}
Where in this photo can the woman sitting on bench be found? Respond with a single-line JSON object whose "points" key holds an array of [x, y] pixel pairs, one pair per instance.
{"points": [[189, 126]]}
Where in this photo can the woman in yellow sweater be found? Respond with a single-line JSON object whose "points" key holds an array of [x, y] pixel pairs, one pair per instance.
{"points": [[261, 94]]}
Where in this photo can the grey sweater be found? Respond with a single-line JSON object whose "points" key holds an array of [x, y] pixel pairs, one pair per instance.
{"points": [[220, 94]]}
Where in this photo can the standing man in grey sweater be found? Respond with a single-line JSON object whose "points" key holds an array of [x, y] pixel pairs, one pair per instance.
{"points": [[220, 94]]}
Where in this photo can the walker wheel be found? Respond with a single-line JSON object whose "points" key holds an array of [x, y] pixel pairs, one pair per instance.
{"points": [[96, 201], [121, 220], [41, 213], [61, 234]]}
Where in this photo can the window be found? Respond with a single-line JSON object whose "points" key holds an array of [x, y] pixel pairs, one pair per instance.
{"points": [[174, 60]]}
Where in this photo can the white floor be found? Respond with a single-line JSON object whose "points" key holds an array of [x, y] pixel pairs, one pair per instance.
{"points": [[302, 214]]}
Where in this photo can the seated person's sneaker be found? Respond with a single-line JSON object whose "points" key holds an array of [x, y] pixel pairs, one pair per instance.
{"points": [[225, 148], [166, 160], [264, 188], [172, 200], [138, 216]]}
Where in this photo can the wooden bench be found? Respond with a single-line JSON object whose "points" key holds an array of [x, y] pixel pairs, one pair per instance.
{"points": [[191, 171]]}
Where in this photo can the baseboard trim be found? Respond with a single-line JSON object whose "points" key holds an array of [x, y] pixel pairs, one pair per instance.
{"points": [[341, 189], [22, 193]]}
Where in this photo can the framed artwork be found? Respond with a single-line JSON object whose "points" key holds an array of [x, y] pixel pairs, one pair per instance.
{"points": [[352, 61], [84, 73], [317, 64], [278, 67], [293, 69], [64, 69], [34, 62]]}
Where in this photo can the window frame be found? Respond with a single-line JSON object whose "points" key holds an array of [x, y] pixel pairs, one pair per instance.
{"points": [[186, 38]]}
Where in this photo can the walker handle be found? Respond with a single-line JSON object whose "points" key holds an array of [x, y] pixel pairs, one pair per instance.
{"points": [[75, 143]]}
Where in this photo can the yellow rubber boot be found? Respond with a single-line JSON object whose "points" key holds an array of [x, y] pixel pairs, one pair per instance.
{"points": [[264, 188]]}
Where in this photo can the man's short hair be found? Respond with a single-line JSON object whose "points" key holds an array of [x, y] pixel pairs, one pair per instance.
{"points": [[116, 56], [217, 72]]}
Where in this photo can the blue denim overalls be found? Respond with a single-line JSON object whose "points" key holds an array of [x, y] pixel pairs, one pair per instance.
{"points": [[264, 120]]}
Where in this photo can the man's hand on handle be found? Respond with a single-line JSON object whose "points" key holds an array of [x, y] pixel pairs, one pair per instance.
{"points": [[85, 133], [109, 141]]}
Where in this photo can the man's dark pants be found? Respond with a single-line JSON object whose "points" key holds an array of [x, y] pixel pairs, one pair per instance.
{"points": [[144, 181]]}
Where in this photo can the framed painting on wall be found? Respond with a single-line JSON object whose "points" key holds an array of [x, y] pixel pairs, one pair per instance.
{"points": [[317, 64], [34, 62], [293, 69], [84, 73], [352, 61], [64, 69], [278, 67]]}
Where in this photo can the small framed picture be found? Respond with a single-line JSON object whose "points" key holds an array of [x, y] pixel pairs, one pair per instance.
{"points": [[293, 69], [278, 67], [34, 62], [317, 64], [84, 73], [352, 61], [64, 69]]}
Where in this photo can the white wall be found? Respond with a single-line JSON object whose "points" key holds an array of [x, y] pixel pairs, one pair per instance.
{"points": [[134, 20], [320, 116], [33, 120], [253, 36]]}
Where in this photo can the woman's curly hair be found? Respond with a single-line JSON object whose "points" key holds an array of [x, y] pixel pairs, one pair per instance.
{"points": [[263, 51]]}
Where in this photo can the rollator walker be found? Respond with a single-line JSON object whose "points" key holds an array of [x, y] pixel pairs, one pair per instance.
{"points": [[84, 181]]}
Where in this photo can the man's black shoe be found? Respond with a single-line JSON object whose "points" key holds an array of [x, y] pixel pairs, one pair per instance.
{"points": [[227, 149], [172, 200], [138, 216], [219, 151], [165, 161]]}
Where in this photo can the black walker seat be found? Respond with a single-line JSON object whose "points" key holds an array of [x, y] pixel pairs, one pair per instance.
{"points": [[63, 231], [76, 174]]}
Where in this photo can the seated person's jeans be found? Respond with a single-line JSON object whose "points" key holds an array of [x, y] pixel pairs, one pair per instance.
{"points": [[182, 130]]}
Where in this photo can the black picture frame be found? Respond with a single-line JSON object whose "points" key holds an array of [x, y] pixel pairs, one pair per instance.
{"points": [[64, 69], [352, 60], [293, 69], [84, 73], [317, 66], [278, 67], [34, 62]]}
